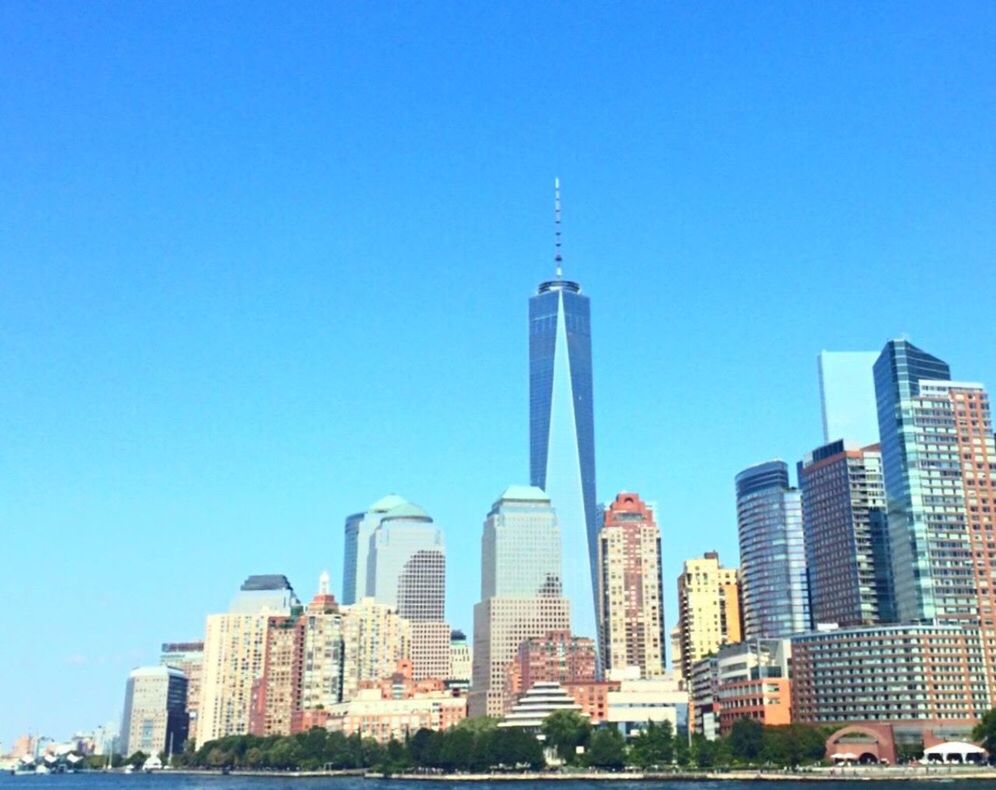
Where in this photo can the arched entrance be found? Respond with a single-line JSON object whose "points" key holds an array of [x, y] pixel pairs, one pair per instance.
{"points": [[871, 743]]}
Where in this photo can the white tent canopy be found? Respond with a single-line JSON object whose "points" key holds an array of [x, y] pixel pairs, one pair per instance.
{"points": [[954, 751]]}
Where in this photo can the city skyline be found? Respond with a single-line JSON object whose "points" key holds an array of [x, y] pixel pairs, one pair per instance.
{"points": [[248, 293]]}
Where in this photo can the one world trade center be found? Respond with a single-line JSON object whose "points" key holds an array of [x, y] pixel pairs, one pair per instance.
{"points": [[561, 432]]}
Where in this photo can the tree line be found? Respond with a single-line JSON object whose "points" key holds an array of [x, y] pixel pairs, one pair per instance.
{"points": [[479, 745]]}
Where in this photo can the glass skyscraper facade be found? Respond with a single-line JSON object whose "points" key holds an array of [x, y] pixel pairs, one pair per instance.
{"points": [[898, 372], [359, 529], [847, 396], [561, 434], [520, 590], [772, 553]]}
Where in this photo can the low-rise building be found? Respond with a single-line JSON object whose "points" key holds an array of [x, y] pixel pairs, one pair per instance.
{"points": [[746, 680], [556, 657], [639, 700], [372, 715], [542, 699], [896, 673]]}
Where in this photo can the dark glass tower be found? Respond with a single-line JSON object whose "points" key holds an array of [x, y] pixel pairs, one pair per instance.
{"points": [[561, 432], [915, 550]]}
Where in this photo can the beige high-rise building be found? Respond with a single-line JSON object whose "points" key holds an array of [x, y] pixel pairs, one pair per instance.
{"points": [[155, 711], [630, 605], [709, 613], [520, 590], [234, 655], [374, 639], [234, 651]]}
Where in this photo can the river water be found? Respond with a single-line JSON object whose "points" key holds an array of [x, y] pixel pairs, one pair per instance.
{"points": [[166, 781]]}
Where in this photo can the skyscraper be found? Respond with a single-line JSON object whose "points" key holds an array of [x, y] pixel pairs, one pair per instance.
{"points": [[234, 654], [915, 525], [847, 396], [375, 638], [843, 516], [188, 657], [155, 711], [561, 430], [940, 478], [772, 553], [709, 613], [520, 590], [406, 570], [630, 600], [406, 564], [359, 528]]}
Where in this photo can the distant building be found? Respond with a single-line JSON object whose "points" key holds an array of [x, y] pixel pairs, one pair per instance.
{"points": [[375, 638], [265, 593], [709, 613], [894, 673], [322, 675], [939, 462], [637, 701], [359, 529], [302, 667], [630, 599], [234, 654], [541, 700], [396, 711], [155, 711], [847, 396], [847, 550], [556, 657], [749, 680], [188, 657], [772, 553], [460, 661], [520, 590], [406, 570]]}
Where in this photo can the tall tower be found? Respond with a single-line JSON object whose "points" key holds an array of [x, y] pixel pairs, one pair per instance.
{"points": [[561, 428], [709, 614], [920, 523], [520, 590], [772, 553], [847, 557], [630, 600]]}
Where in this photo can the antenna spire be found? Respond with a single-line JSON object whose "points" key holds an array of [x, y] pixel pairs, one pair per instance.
{"points": [[558, 259]]}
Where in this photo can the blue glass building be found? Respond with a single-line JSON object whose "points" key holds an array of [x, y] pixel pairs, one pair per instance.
{"points": [[561, 434], [773, 576], [918, 544]]}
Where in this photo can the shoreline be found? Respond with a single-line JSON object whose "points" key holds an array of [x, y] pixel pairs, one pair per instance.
{"points": [[891, 774]]}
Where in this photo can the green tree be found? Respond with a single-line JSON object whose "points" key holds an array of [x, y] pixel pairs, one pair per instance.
{"points": [[606, 749], [653, 746], [457, 750], [566, 730], [682, 751], [703, 752], [985, 732], [137, 759], [746, 740], [513, 747]]}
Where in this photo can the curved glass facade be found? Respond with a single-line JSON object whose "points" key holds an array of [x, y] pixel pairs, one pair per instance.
{"points": [[772, 553]]}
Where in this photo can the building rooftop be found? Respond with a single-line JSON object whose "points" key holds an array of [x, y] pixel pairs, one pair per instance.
{"points": [[525, 494], [386, 503], [268, 581]]}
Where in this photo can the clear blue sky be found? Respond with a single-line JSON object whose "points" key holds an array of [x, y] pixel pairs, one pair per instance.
{"points": [[261, 265]]}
